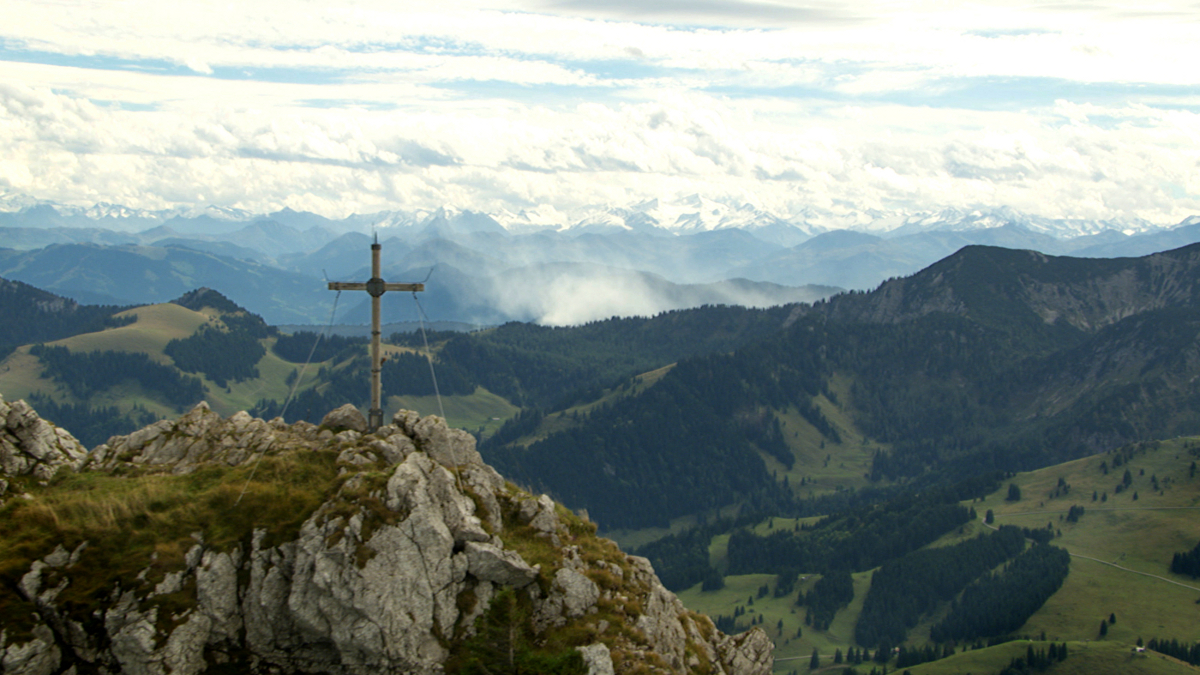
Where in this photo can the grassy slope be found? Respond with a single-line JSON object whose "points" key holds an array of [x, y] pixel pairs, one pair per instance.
{"points": [[156, 325], [738, 591], [1141, 535], [1084, 658], [21, 374], [480, 411], [133, 521], [846, 468]]}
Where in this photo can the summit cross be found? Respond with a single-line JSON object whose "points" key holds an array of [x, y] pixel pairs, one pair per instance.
{"points": [[376, 287]]}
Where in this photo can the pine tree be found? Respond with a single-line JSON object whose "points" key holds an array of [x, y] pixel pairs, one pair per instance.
{"points": [[815, 661]]}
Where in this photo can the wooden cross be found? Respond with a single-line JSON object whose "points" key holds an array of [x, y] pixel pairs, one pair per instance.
{"points": [[376, 287]]}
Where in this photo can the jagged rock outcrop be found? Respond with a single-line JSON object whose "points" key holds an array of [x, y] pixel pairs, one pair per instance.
{"points": [[31, 446], [393, 571]]}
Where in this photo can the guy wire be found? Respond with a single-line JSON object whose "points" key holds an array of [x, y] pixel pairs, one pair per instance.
{"points": [[295, 386]]}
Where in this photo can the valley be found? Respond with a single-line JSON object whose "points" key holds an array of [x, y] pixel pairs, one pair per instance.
{"points": [[756, 452]]}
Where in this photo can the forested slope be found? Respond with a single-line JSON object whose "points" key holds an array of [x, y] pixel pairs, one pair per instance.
{"points": [[989, 360], [33, 315]]}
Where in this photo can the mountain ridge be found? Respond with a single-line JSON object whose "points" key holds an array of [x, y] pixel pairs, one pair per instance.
{"points": [[409, 555]]}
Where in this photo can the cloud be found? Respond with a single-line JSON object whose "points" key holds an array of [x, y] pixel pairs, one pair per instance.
{"points": [[706, 12], [803, 107]]}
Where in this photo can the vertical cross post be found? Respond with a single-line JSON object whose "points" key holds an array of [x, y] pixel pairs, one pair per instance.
{"points": [[375, 287]]}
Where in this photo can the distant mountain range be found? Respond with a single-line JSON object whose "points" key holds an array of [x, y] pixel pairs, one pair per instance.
{"points": [[536, 265]]}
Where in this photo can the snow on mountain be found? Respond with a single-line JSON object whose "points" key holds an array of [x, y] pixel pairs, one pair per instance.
{"points": [[226, 213], [534, 219], [691, 215], [12, 202], [387, 220], [661, 217], [695, 213], [963, 220]]}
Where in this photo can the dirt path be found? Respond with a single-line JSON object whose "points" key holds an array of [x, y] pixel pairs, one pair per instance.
{"points": [[1145, 574], [1105, 562]]}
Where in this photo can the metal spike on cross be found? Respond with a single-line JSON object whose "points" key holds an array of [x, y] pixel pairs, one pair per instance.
{"points": [[376, 287]]}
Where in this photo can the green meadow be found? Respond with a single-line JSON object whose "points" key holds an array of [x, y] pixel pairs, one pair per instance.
{"points": [[1121, 550]]}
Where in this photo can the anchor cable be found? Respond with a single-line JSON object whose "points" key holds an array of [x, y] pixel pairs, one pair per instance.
{"points": [[421, 316], [295, 386]]}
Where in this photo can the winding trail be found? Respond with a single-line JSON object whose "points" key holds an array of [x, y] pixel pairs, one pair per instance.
{"points": [[1105, 562], [1145, 574]]}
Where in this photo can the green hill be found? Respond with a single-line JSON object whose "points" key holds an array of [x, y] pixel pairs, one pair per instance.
{"points": [[1120, 548]]}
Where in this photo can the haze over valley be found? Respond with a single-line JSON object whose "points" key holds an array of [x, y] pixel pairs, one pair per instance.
{"points": [[634, 261]]}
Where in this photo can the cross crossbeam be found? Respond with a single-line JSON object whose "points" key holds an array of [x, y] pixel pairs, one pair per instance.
{"points": [[375, 287]]}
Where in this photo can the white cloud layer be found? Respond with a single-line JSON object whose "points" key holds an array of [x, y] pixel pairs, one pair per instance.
{"points": [[1056, 110]]}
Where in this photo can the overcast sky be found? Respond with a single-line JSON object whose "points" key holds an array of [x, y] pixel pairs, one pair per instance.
{"points": [[1085, 110]]}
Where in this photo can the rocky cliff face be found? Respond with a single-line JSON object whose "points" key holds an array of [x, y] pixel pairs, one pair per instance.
{"points": [[414, 558]]}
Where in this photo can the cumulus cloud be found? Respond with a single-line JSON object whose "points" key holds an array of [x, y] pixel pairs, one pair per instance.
{"points": [[802, 108]]}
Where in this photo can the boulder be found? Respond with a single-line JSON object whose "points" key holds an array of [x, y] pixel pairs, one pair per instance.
{"points": [[491, 563], [345, 417], [31, 446], [579, 593], [446, 446], [598, 659]]}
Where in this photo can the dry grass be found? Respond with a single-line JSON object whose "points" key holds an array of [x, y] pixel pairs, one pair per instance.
{"points": [[156, 325], [148, 522]]}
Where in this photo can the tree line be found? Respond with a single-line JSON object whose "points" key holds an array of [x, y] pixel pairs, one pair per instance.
{"points": [[1188, 653], [906, 588], [224, 354], [1187, 562], [685, 445], [298, 347], [1001, 602], [854, 541], [829, 594], [348, 381], [86, 373], [32, 315]]}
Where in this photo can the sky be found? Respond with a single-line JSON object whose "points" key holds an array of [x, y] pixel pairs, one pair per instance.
{"points": [[804, 109]]}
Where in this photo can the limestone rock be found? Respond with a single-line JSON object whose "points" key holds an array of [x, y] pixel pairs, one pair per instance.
{"points": [[579, 593], [540, 514], [598, 659], [406, 420], [490, 563], [39, 656], [748, 653], [180, 445], [446, 446], [346, 417], [31, 446], [383, 577]]}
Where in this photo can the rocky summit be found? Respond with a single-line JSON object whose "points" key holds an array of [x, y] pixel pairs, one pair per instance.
{"points": [[237, 545]]}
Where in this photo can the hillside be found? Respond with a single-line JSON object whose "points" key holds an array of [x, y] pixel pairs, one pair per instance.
{"points": [[211, 545], [34, 315], [133, 274], [692, 240], [989, 360], [770, 449], [1121, 548]]}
